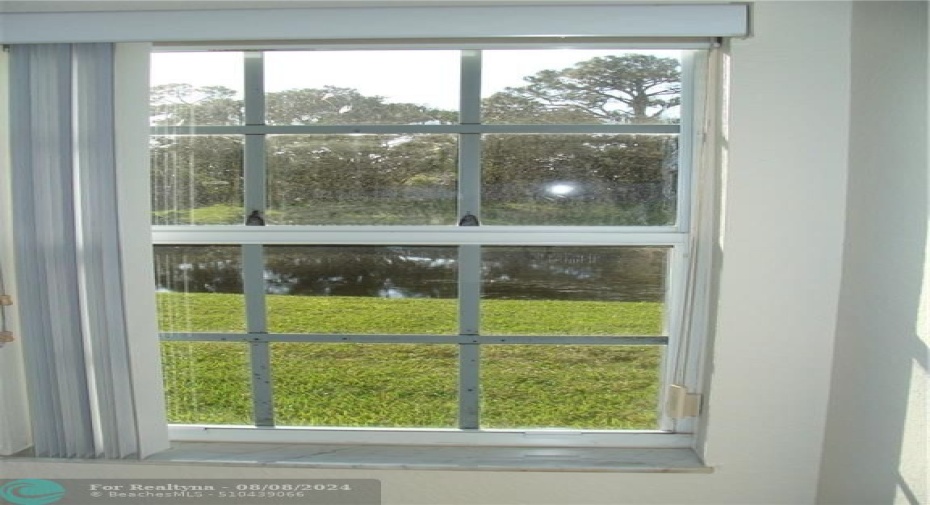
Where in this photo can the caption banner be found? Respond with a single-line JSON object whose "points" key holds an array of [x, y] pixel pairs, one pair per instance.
{"points": [[190, 491]]}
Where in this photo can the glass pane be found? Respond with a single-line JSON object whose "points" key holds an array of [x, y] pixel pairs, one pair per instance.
{"points": [[197, 179], [362, 179], [377, 385], [570, 86], [199, 289], [207, 382], [362, 87], [199, 88], [581, 387], [573, 290], [615, 180], [362, 290]]}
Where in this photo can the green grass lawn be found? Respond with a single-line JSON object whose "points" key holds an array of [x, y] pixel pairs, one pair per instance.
{"points": [[414, 385]]}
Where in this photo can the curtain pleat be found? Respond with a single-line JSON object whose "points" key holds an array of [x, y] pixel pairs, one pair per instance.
{"points": [[67, 244]]}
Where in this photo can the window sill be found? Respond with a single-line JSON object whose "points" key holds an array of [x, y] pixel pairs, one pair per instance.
{"points": [[397, 457]]}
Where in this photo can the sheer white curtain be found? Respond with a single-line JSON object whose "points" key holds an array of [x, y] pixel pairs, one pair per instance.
{"points": [[68, 259]]}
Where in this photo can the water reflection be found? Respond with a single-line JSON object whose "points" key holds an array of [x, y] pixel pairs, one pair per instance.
{"points": [[574, 273], [522, 273]]}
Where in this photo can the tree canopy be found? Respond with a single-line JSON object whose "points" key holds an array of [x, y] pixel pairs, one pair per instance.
{"points": [[633, 88]]}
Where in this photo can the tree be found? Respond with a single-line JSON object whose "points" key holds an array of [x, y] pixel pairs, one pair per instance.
{"points": [[335, 105], [361, 179], [633, 88], [630, 177], [186, 105], [195, 172]]}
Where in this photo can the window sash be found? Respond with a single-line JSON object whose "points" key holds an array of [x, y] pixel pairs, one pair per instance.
{"points": [[469, 240], [469, 338], [469, 131]]}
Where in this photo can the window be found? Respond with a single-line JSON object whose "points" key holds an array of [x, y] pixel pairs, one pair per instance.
{"points": [[435, 239]]}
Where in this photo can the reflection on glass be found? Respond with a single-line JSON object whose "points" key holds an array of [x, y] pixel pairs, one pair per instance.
{"points": [[568, 386], [559, 86], [377, 385], [573, 291], [207, 382], [196, 179], [361, 87], [362, 179], [196, 88], [361, 290], [599, 179], [199, 289]]}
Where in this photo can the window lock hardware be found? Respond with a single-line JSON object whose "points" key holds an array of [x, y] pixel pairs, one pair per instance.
{"points": [[469, 219], [255, 219], [681, 403]]}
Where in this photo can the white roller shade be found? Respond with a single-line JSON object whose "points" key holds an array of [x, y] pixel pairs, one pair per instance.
{"points": [[711, 20]]}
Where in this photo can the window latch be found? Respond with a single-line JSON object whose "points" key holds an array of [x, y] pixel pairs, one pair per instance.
{"points": [[469, 219], [255, 219]]}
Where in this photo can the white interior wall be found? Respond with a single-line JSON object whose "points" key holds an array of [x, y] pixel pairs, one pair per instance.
{"points": [[876, 441], [782, 248], [779, 295]]}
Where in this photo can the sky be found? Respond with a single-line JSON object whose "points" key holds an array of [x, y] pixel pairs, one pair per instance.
{"points": [[424, 77]]}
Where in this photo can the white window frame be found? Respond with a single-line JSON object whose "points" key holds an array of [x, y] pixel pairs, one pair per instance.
{"points": [[682, 361], [135, 31]]}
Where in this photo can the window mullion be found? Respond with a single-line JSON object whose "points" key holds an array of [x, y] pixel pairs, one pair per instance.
{"points": [[470, 93], [469, 255], [686, 140], [254, 88], [469, 174], [469, 324], [470, 143], [252, 255], [255, 176], [408, 129], [414, 235], [256, 322]]}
